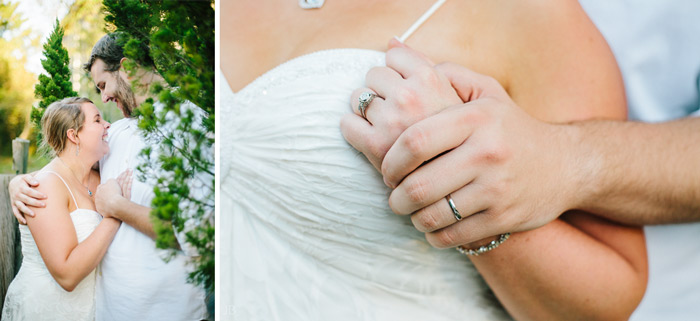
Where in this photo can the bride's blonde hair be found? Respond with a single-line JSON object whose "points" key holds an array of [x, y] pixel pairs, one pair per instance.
{"points": [[58, 118]]}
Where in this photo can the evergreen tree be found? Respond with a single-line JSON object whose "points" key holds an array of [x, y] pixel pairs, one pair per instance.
{"points": [[57, 84], [176, 39]]}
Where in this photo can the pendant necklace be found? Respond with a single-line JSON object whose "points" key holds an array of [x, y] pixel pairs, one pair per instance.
{"points": [[76, 177], [311, 4]]}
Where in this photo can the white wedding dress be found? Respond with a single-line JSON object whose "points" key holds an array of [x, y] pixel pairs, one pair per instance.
{"points": [[306, 230], [34, 295]]}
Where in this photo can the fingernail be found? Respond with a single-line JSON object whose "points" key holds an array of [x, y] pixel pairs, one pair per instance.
{"points": [[386, 182]]}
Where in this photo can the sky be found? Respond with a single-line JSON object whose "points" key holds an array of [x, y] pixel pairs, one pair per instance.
{"points": [[40, 16]]}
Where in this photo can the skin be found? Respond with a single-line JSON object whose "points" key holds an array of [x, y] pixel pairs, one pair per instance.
{"points": [[109, 199], [52, 228], [534, 274]]}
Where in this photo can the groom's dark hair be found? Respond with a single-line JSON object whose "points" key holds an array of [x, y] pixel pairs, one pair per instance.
{"points": [[109, 50]]}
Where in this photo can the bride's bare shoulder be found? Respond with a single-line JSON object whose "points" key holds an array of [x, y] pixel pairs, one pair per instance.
{"points": [[557, 57]]}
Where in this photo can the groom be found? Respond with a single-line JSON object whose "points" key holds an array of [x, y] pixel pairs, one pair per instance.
{"points": [[133, 281]]}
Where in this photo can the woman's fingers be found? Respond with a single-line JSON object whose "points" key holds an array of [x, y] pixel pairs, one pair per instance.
{"points": [[383, 81], [407, 62], [365, 100], [470, 85], [359, 133]]}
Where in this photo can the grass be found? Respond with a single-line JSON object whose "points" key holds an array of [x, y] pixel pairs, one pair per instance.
{"points": [[34, 163]]}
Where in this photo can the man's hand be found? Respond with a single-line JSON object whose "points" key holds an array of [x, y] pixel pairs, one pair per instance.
{"points": [[108, 198], [124, 180], [504, 170], [23, 195]]}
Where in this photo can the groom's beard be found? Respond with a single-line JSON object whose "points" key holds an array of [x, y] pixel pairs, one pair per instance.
{"points": [[126, 96]]}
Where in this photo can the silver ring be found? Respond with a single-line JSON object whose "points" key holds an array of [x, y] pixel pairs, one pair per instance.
{"points": [[365, 99], [453, 207]]}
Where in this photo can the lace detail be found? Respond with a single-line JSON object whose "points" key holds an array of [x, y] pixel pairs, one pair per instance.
{"points": [[308, 231], [35, 295]]}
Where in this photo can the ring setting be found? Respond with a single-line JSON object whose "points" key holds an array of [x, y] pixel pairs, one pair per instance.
{"points": [[365, 99]]}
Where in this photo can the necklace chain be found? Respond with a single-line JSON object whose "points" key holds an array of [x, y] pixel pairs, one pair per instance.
{"points": [[76, 177]]}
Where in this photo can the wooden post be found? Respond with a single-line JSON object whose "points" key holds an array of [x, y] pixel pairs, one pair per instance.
{"points": [[20, 154], [10, 248]]}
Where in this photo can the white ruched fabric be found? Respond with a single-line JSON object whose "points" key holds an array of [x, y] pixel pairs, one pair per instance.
{"points": [[306, 230], [34, 295]]}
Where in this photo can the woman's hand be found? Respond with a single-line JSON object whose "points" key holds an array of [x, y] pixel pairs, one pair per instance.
{"points": [[108, 197], [429, 144], [408, 90]]}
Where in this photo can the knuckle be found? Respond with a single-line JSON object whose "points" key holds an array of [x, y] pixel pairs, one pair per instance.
{"points": [[490, 155], [495, 153], [405, 97], [428, 77], [415, 141], [417, 191], [498, 188], [444, 238], [491, 82], [393, 123], [426, 221], [473, 115], [377, 149]]}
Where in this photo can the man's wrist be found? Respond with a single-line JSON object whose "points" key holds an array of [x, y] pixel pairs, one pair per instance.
{"points": [[582, 168]]}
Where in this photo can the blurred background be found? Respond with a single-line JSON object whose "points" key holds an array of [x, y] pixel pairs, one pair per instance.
{"points": [[24, 27]]}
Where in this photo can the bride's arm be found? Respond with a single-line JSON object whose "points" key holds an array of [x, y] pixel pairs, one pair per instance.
{"points": [[52, 228], [593, 271], [579, 266]]}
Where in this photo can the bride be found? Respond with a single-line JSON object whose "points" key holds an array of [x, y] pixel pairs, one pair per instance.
{"points": [[63, 243], [307, 232]]}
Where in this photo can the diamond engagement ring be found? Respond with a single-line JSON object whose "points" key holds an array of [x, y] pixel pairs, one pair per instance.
{"points": [[365, 99], [453, 207]]}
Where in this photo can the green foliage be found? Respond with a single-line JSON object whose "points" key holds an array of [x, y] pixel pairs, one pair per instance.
{"points": [[176, 39], [83, 28], [57, 84], [15, 81]]}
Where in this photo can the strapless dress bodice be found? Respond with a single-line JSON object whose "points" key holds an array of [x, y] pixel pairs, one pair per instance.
{"points": [[306, 230], [35, 295]]}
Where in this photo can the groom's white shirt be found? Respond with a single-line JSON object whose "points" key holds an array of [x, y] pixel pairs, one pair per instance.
{"points": [[656, 45], [133, 281]]}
